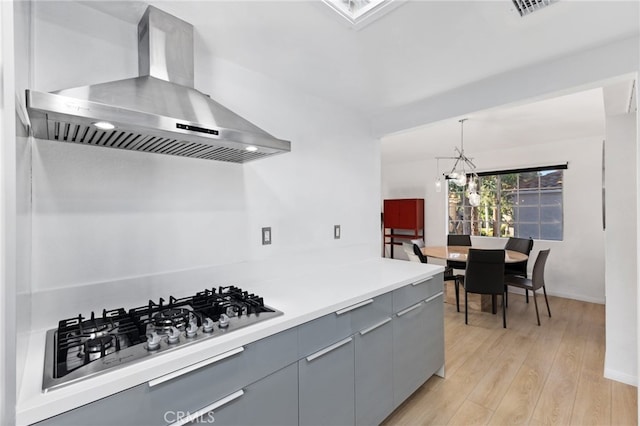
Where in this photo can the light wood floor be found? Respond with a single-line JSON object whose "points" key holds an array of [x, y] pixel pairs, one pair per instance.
{"points": [[525, 374]]}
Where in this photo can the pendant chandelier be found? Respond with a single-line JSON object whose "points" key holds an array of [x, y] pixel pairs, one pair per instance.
{"points": [[463, 171]]}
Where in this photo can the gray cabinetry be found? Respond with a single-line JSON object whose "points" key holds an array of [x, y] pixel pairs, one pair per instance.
{"points": [[353, 366], [374, 373], [326, 330], [420, 290], [348, 379], [418, 335], [326, 385], [409, 352], [187, 390], [271, 401], [434, 333]]}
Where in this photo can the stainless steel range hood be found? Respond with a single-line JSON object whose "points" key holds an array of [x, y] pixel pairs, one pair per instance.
{"points": [[159, 111]]}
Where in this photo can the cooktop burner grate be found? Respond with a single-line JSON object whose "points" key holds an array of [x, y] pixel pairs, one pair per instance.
{"points": [[84, 346]]}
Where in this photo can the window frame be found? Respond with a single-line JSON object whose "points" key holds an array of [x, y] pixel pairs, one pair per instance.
{"points": [[470, 222]]}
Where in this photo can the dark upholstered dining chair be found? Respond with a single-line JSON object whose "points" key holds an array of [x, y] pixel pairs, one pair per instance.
{"points": [[448, 272], [458, 240], [521, 245], [535, 283], [419, 242], [485, 275]]}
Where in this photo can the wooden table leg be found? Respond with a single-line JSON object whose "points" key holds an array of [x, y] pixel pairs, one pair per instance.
{"points": [[477, 302]]}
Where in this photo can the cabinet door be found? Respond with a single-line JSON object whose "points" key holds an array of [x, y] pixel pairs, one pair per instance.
{"points": [[272, 401], [326, 391], [404, 213], [434, 329], [374, 373], [409, 351]]}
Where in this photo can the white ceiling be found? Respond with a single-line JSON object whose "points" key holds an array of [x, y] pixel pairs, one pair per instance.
{"points": [[419, 49], [574, 116]]}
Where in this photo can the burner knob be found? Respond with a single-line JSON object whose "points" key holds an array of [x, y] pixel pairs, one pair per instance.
{"points": [[207, 325], [153, 341], [223, 322], [174, 335], [192, 329]]}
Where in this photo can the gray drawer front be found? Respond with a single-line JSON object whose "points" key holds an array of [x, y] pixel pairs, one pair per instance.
{"points": [[326, 330], [412, 293], [258, 360], [272, 401], [371, 314], [322, 332], [124, 408], [268, 355], [146, 405]]}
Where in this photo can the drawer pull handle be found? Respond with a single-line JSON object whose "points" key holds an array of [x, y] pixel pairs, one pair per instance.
{"points": [[373, 327], [195, 366], [198, 414], [354, 307], [435, 296], [421, 282], [329, 349], [409, 309]]}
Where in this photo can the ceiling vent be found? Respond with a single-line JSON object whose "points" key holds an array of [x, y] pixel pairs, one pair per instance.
{"points": [[526, 7]]}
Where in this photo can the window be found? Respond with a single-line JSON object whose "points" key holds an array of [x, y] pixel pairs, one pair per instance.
{"points": [[524, 203]]}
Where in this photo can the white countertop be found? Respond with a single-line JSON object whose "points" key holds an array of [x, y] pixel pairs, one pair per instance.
{"points": [[302, 297]]}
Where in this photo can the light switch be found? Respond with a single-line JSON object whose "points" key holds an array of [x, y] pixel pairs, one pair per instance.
{"points": [[266, 236], [336, 232]]}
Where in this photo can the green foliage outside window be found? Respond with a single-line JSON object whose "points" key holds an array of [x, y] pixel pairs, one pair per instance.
{"points": [[525, 205]]}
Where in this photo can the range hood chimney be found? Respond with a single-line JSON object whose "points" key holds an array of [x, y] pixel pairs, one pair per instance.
{"points": [[159, 111]]}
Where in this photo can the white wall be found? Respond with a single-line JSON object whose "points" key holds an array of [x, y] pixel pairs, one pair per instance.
{"points": [[571, 270], [330, 176], [22, 64], [105, 215], [621, 239], [585, 69], [7, 217]]}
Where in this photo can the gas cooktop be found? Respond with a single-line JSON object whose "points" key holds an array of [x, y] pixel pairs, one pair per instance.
{"points": [[82, 347]]}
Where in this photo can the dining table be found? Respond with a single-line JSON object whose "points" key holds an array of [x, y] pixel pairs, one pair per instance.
{"points": [[480, 302], [460, 253]]}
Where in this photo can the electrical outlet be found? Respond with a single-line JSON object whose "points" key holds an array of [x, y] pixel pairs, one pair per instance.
{"points": [[266, 236], [336, 232]]}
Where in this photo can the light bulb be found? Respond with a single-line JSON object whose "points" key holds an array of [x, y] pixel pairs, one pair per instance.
{"points": [[472, 185], [474, 199], [438, 184], [104, 125], [461, 179]]}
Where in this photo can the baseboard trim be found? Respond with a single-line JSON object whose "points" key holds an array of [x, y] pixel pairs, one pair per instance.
{"points": [[563, 295], [621, 377]]}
